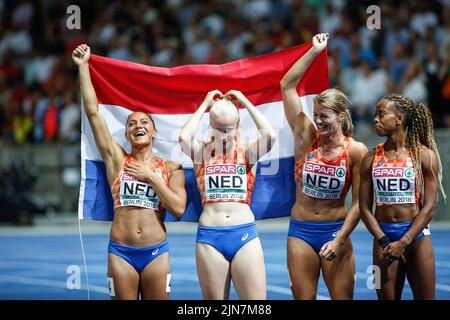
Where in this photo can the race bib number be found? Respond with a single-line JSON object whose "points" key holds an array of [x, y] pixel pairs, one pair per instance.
{"points": [[323, 181], [394, 185], [137, 193], [226, 182]]}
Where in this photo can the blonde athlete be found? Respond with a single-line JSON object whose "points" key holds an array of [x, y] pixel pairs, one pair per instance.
{"points": [[141, 185], [327, 162], [228, 246]]}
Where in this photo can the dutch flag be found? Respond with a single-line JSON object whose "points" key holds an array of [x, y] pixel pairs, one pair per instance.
{"points": [[171, 95]]}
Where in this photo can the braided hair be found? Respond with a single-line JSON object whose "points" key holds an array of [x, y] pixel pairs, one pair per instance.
{"points": [[419, 131]]}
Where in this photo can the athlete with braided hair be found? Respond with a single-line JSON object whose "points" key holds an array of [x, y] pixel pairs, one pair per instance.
{"points": [[404, 173]]}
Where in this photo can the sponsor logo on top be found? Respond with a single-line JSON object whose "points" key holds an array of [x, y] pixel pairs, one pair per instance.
{"points": [[409, 173], [340, 172], [225, 169], [127, 177], [388, 172], [324, 169]]}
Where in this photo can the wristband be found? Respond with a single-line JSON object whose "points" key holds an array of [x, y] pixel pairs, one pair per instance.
{"points": [[384, 241]]}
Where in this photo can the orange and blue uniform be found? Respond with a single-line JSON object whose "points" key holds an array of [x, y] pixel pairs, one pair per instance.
{"points": [[395, 183], [127, 191], [323, 179], [226, 180]]}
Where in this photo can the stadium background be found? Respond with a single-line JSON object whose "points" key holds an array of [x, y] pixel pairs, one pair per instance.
{"points": [[40, 107]]}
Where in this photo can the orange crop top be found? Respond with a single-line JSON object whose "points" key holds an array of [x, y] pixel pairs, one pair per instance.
{"points": [[394, 181], [222, 180], [321, 178], [128, 191]]}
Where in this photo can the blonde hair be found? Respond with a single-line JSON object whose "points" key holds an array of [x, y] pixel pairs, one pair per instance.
{"points": [[224, 108], [337, 101]]}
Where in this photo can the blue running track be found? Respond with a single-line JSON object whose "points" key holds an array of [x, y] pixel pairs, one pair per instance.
{"points": [[35, 266]]}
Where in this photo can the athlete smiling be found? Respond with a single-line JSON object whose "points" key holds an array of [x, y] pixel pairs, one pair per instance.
{"points": [[327, 163], [141, 186]]}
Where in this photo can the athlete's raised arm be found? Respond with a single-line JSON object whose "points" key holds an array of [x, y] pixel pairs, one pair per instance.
{"points": [[191, 147], [263, 145], [110, 150]]}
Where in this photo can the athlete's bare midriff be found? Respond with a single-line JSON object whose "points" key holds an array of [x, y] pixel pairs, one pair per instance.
{"points": [[216, 214], [307, 208], [134, 226], [396, 213]]}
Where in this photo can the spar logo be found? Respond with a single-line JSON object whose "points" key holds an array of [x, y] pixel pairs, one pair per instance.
{"points": [[221, 169], [321, 169], [409, 173], [340, 172], [240, 170], [127, 177], [388, 172]]}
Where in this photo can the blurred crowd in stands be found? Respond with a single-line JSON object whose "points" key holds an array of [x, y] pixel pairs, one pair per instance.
{"points": [[39, 93]]}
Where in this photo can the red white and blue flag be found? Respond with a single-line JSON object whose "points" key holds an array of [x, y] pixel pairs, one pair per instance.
{"points": [[172, 95]]}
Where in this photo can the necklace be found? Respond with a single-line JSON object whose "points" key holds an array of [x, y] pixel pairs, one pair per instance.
{"points": [[326, 153]]}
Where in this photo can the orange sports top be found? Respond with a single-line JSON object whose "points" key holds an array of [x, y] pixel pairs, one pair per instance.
{"points": [[128, 191], [394, 181], [321, 178], [225, 180]]}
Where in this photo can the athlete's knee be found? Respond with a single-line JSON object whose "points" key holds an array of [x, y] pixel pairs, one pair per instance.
{"points": [[210, 294], [303, 293], [342, 294]]}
